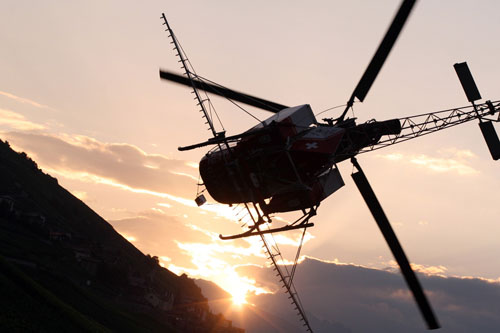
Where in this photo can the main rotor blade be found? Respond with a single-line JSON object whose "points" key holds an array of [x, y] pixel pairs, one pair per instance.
{"points": [[391, 239], [383, 50], [224, 92]]}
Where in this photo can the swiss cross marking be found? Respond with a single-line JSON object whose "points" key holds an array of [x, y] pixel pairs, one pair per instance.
{"points": [[312, 145]]}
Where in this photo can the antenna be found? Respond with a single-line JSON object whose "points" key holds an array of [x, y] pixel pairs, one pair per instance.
{"points": [[185, 64]]}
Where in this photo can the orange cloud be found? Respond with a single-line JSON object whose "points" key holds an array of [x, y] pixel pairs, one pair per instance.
{"points": [[24, 100], [454, 160], [439, 270], [443, 164], [114, 163], [17, 121], [82, 195]]}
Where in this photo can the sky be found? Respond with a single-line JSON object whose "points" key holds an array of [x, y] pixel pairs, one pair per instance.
{"points": [[81, 94]]}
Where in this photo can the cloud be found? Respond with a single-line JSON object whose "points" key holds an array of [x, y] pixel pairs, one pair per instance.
{"points": [[454, 160], [113, 163], [439, 270], [24, 100], [17, 121], [82, 195], [131, 239], [334, 294], [430, 270], [153, 232], [443, 164]]}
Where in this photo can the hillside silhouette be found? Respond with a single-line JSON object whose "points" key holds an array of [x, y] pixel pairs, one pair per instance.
{"points": [[64, 268]]}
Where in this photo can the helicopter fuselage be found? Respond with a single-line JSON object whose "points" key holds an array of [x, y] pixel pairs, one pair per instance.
{"points": [[289, 163]]}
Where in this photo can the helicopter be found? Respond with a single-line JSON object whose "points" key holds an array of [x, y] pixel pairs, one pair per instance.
{"points": [[288, 162]]}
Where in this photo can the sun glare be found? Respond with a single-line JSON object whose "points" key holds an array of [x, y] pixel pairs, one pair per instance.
{"points": [[130, 238], [239, 297], [238, 287]]}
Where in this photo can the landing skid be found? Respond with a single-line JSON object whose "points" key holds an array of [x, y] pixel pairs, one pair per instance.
{"points": [[253, 232], [301, 223]]}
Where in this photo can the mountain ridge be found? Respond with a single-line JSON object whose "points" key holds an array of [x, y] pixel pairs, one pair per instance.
{"points": [[58, 254]]}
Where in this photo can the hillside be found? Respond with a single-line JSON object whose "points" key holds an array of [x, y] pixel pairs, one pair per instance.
{"points": [[64, 268]]}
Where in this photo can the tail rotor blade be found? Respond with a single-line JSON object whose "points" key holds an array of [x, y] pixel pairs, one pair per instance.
{"points": [[391, 239], [224, 92]]}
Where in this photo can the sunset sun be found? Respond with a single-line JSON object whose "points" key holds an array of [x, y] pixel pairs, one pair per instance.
{"points": [[239, 297], [238, 290]]}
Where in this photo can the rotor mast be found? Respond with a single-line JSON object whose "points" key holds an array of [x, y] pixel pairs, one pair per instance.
{"points": [[191, 75]]}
